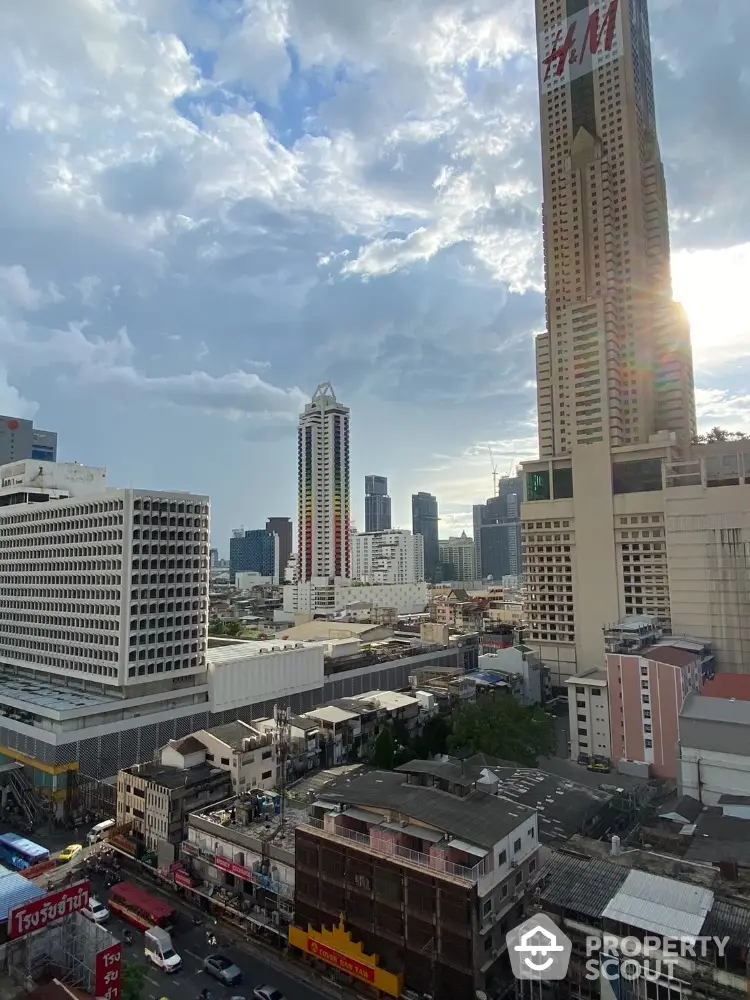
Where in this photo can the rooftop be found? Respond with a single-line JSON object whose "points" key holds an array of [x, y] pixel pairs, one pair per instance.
{"points": [[324, 629], [389, 701], [590, 677], [240, 650], [458, 772], [563, 807], [671, 653], [723, 710], [479, 817], [254, 814], [187, 745], [233, 734], [42, 698], [175, 777], [575, 882], [332, 714], [728, 686], [720, 838], [662, 905]]}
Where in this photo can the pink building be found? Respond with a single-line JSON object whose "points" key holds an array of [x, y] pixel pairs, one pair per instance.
{"points": [[646, 694]]}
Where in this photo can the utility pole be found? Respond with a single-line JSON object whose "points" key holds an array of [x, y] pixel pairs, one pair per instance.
{"points": [[282, 739]]}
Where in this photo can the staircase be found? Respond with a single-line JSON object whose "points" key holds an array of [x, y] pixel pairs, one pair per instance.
{"points": [[34, 807]]}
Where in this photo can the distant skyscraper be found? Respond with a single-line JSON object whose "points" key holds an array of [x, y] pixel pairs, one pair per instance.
{"points": [[458, 557], [497, 531], [252, 552], [20, 439], [424, 522], [324, 540], [213, 558], [377, 504], [282, 526]]}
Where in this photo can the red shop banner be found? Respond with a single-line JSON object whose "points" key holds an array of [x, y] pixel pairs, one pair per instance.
{"points": [[234, 869], [108, 968], [54, 906]]}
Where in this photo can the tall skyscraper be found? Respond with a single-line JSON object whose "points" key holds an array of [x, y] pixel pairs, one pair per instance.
{"points": [[19, 439], [424, 522], [282, 526], [497, 531], [324, 548], [377, 504], [614, 366]]}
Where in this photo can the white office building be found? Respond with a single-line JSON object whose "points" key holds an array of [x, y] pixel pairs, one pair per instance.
{"points": [[103, 620], [393, 556]]}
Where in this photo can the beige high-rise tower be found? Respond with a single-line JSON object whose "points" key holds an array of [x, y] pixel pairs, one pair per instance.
{"points": [[615, 364]]}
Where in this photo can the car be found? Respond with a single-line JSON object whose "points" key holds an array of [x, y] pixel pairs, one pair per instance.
{"points": [[267, 993], [70, 852], [96, 911], [223, 969]]}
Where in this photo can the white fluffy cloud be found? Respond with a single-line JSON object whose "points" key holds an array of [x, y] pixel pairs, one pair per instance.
{"points": [[207, 209]]}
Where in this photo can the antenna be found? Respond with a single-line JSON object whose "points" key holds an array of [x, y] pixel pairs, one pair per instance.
{"points": [[494, 471]]}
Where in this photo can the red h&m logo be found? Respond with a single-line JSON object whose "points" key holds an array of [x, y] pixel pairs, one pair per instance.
{"points": [[576, 50]]}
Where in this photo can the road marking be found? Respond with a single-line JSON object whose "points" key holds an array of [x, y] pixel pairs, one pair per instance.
{"points": [[153, 982], [192, 954]]}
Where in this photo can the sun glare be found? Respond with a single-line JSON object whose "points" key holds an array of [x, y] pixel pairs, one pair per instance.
{"points": [[712, 285]]}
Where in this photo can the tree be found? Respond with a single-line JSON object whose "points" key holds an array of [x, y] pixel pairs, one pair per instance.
{"points": [[498, 725], [433, 739], [719, 434], [384, 751], [132, 981]]}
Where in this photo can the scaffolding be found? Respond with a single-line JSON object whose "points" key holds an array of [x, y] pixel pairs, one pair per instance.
{"points": [[65, 951]]}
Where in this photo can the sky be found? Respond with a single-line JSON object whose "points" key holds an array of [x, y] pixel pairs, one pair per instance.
{"points": [[208, 207]]}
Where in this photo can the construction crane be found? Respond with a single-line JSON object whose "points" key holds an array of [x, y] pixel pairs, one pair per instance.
{"points": [[494, 471]]}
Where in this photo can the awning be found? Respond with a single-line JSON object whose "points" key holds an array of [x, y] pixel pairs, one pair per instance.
{"points": [[360, 814], [415, 831], [461, 845]]}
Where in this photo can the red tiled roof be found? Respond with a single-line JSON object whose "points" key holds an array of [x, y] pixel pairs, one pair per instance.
{"points": [[674, 655], [728, 686]]}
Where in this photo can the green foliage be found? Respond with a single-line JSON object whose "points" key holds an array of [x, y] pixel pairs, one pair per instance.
{"points": [[384, 751], [231, 630], [719, 434], [433, 739], [132, 981], [499, 726]]}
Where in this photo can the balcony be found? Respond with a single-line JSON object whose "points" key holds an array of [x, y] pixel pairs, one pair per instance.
{"points": [[436, 865]]}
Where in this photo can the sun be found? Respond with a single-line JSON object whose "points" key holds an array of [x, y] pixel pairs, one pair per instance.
{"points": [[712, 286]]}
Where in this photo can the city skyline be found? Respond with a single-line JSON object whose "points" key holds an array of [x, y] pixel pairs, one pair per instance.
{"points": [[194, 303]]}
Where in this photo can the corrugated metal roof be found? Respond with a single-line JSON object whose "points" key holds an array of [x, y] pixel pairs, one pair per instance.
{"points": [[729, 920], [583, 885], [16, 890], [660, 905]]}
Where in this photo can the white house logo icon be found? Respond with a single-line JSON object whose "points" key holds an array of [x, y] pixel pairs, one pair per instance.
{"points": [[538, 949]]}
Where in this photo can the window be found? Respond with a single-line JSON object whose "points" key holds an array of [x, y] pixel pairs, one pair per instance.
{"points": [[517, 846], [530, 832], [562, 484], [487, 908], [265, 775], [532, 866], [648, 744], [637, 477], [538, 486], [502, 857]]}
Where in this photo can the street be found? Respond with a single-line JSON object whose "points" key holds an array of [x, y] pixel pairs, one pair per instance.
{"points": [[190, 944]]}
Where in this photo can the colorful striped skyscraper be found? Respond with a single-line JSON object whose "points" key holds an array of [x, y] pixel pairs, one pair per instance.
{"points": [[324, 548]]}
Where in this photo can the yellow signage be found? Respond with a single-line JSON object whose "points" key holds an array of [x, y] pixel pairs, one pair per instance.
{"points": [[336, 948]]}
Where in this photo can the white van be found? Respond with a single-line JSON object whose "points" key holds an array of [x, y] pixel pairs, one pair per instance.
{"points": [[96, 911], [100, 831], [160, 952]]}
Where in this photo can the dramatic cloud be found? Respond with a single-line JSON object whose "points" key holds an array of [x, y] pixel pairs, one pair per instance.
{"points": [[207, 209]]}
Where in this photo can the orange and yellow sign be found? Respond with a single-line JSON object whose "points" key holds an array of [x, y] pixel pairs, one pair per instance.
{"points": [[336, 948]]}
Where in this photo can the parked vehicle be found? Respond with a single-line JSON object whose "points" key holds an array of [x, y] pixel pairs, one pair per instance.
{"points": [[223, 969], [99, 832], [96, 911], [159, 950]]}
